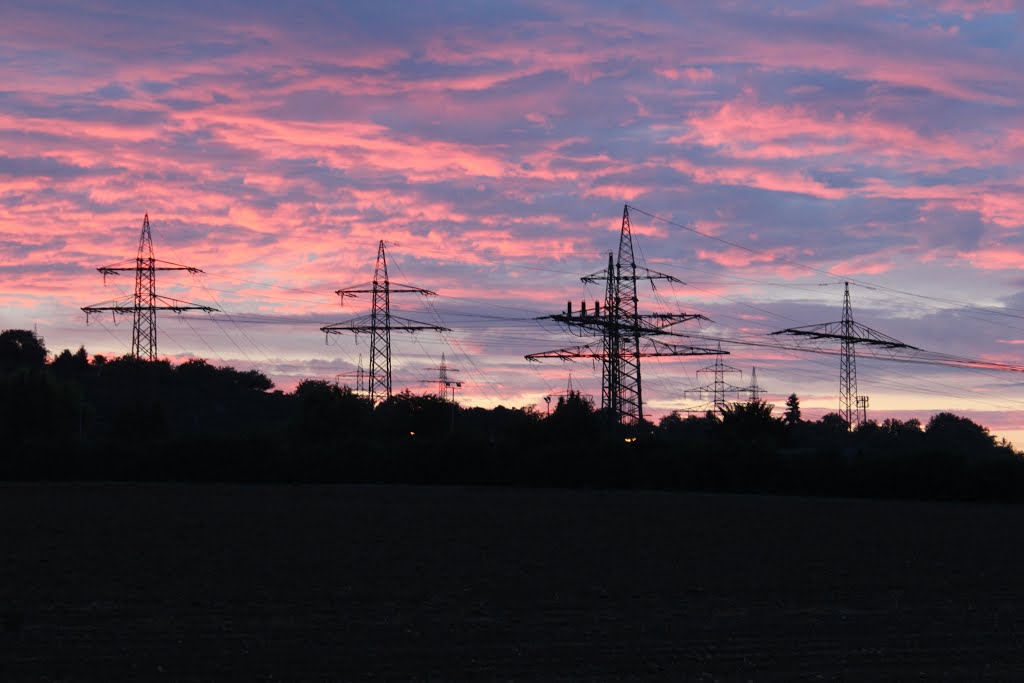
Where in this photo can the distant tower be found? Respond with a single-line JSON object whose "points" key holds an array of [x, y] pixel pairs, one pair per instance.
{"points": [[144, 305], [570, 390], [754, 390], [849, 334], [380, 323], [848, 363], [359, 376], [445, 384], [718, 387]]}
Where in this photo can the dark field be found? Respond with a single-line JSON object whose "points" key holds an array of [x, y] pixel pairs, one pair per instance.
{"points": [[199, 582]]}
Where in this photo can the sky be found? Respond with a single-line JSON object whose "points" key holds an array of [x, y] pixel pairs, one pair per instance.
{"points": [[772, 151]]}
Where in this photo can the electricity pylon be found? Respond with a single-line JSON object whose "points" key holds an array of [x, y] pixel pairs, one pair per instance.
{"points": [[564, 395], [626, 335], [445, 384], [717, 388], [380, 323], [359, 376], [754, 391], [146, 302], [849, 334]]}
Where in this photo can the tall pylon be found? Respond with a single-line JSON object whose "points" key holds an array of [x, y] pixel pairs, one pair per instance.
{"points": [[849, 334], [626, 335], [718, 388], [445, 383], [146, 302], [754, 392], [848, 363], [380, 323], [570, 390], [359, 376]]}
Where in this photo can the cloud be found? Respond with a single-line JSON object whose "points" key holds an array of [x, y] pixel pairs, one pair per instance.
{"points": [[493, 146]]}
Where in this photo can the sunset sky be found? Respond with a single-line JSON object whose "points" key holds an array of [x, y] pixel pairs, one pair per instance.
{"points": [[493, 146]]}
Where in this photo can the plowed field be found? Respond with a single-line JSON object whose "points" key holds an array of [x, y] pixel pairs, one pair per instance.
{"points": [[241, 582]]}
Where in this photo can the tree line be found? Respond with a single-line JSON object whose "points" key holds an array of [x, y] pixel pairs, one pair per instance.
{"points": [[75, 416]]}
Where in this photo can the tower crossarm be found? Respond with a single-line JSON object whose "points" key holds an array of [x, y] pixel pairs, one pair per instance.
{"points": [[653, 348], [648, 324], [669, 319], [592, 350], [366, 324], [650, 348], [705, 389], [857, 334], [582, 325], [642, 273], [176, 306], [157, 265], [393, 288]]}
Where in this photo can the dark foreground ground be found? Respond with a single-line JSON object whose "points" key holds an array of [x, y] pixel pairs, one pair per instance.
{"points": [[200, 582]]}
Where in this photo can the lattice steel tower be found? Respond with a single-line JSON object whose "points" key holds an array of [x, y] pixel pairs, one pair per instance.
{"points": [[146, 302], [848, 363], [849, 334], [754, 392], [626, 335], [446, 384], [380, 323], [718, 387]]}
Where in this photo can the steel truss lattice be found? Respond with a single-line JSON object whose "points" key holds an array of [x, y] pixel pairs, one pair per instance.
{"points": [[146, 302], [380, 323], [625, 335]]}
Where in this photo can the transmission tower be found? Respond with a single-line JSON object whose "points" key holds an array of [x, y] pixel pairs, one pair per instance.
{"points": [[146, 302], [569, 391], [445, 384], [754, 391], [718, 387], [849, 334], [380, 323], [359, 376], [626, 336]]}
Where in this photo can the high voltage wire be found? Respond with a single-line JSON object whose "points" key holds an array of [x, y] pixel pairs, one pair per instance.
{"points": [[829, 273], [482, 322], [455, 340]]}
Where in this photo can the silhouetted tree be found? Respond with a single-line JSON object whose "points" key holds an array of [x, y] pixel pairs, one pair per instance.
{"points": [[36, 404], [694, 431], [414, 415], [197, 372], [68, 364], [955, 434], [325, 409], [792, 415], [834, 423], [21, 349], [573, 418], [750, 421], [671, 423]]}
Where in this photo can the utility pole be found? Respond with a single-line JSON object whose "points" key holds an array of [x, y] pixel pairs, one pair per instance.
{"points": [[625, 334], [849, 334], [380, 323], [862, 409], [146, 302]]}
